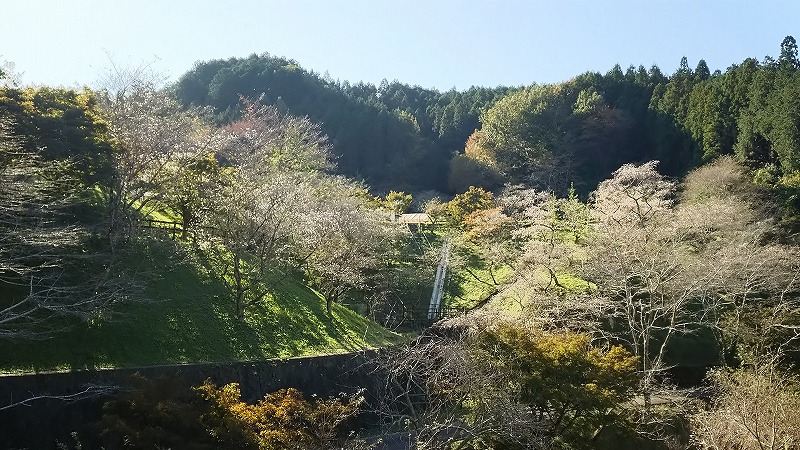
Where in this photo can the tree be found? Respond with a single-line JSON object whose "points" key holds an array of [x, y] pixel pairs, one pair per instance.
{"points": [[397, 202], [465, 171], [52, 273], [665, 271], [343, 239], [282, 419], [550, 229], [788, 58], [66, 124], [476, 166], [187, 189], [8, 75], [254, 220], [504, 387], [525, 128], [754, 408], [708, 120], [436, 210], [702, 71], [447, 397], [159, 413], [573, 388], [781, 127], [165, 414], [153, 135], [668, 110], [249, 230], [474, 199], [635, 196], [489, 235]]}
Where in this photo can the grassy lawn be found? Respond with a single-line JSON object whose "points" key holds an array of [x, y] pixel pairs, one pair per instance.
{"points": [[518, 296], [465, 290], [190, 318]]}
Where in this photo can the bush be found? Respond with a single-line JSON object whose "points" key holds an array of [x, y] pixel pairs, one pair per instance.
{"points": [[753, 409], [164, 414], [281, 420], [155, 414]]}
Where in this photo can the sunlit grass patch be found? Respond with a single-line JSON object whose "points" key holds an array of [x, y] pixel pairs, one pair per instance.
{"points": [[190, 317]]}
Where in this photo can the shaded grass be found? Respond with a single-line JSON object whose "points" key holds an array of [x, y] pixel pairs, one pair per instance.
{"points": [[190, 318]]}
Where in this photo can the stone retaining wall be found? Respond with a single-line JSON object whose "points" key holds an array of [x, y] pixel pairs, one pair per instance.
{"points": [[39, 425]]}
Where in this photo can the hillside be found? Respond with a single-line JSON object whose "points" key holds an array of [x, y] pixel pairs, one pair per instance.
{"points": [[393, 136], [255, 164], [85, 283], [618, 252], [575, 133], [188, 317]]}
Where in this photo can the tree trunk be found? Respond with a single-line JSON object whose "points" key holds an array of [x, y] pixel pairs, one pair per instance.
{"points": [[186, 216], [239, 286]]}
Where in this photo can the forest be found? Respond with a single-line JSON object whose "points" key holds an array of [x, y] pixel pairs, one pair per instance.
{"points": [[619, 254]]}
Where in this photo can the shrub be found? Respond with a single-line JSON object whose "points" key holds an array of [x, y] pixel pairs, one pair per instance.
{"points": [[281, 420]]}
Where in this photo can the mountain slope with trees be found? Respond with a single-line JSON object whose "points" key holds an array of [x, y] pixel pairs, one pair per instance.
{"points": [[577, 133], [91, 179], [393, 136], [624, 230]]}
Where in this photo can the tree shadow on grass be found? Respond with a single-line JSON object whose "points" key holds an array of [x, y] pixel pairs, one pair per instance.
{"points": [[191, 319]]}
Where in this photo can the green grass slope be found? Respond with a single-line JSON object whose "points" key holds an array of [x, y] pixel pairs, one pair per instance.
{"points": [[190, 318], [464, 290]]}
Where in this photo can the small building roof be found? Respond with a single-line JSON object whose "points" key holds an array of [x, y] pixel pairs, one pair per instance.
{"points": [[414, 218]]}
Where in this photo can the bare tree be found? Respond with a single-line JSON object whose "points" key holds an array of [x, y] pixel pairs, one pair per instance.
{"points": [[448, 398], [153, 135], [265, 139], [547, 248], [553, 172], [249, 234], [256, 217], [341, 239], [489, 235], [635, 195], [544, 234], [48, 278], [753, 409], [730, 219], [664, 271]]}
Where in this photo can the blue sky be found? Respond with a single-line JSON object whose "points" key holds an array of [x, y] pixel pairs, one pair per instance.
{"points": [[433, 43]]}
